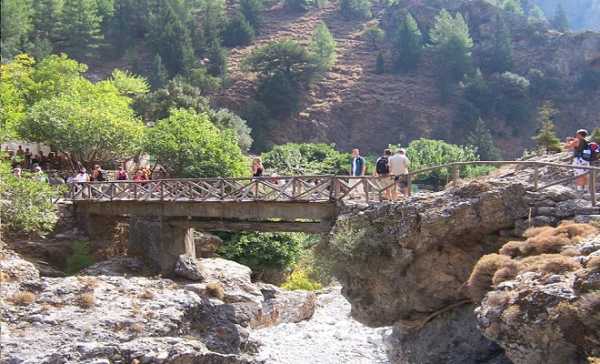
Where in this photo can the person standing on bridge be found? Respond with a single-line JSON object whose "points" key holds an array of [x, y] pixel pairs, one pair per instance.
{"points": [[578, 145], [399, 163], [382, 169], [257, 172], [357, 169]]}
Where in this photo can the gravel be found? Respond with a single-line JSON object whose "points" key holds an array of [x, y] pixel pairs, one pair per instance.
{"points": [[331, 336]]}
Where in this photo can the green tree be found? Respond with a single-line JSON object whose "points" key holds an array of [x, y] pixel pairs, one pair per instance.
{"points": [[238, 32], [478, 92], [306, 159], [80, 33], [225, 119], [158, 74], [546, 138], [187, 144], [251, 9], [513, 6], [374, 36], [560, 20], [426, 152], [408, 45], [26, 203], [46, 19], [512, 98], [285, 57], [212, 17], [355, 9], [380, 64], [177, 93], [171, 40], [205, 82], [15, 25], [595, 137], [217, 65], [452, 44], [280, 94], [15, 83], [90, 122], [483, 142], [263, 251], [322, 47], [499, 58], [536, 15]]}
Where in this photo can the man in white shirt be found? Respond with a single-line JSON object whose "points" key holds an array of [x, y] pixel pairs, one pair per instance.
{"points": [[399, 164]]}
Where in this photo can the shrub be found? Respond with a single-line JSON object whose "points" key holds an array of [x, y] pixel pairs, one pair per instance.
{"points": [[548, 240], [23, 298], [80, 258], [215, 289], [263, 251], [355, 9], [86, 300], [508, 271], [374, 36], [549, 263], [300, 280], [322, 47], [238, 32], [481, 279], [306, 159]]}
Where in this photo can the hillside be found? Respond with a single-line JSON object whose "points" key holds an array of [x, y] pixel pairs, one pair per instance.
{"points": [[353, 106], [582, 14]]}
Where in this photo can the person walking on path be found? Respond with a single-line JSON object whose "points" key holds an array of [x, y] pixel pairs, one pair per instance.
{"points": [[578, 145], [382, 169], [399, 164]]}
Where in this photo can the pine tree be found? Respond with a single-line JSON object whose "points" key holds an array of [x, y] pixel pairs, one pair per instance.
{"points": [[46, 19], [408, 45], [217, 61], [238, 32], [513, 6], [452, 44], [322, 47], [172, 41], [546, 137], [481, 138], [159, 74], [536, 15], [500, 58], [252, 12], [15, 25], [560, 20], [80, 32], [380, 64]]}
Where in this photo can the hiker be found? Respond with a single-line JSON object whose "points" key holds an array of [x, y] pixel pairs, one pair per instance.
{"points": [[39, 175], [27, 158], [257, 172], [399, 163], [82, 176], [382, 169], [140, 175], [358, 164], [122, 174], [98, 174], [18, 172], [579, 145]]}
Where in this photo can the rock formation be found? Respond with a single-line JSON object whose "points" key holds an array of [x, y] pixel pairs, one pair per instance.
{"points": [[406, 264]]}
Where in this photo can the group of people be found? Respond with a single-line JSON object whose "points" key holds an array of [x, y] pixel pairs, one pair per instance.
{"points": [[393, 167], [100, 175], [26, 160]]}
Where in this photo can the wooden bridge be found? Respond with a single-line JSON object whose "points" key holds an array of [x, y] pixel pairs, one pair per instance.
{"points": [[298, 203]]}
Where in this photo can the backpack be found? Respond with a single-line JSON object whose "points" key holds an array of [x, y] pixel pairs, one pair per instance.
{"points": [[382, 166], [590, 152], [102, 176]]}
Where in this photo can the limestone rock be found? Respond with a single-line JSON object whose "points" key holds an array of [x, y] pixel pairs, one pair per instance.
{"points": [[234, 277], [207, 244], [117, 266], [547, 318], [13, 268], [190, 268]]}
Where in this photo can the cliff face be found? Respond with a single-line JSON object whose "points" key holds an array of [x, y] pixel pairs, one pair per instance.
{"points": [[406, 264]]}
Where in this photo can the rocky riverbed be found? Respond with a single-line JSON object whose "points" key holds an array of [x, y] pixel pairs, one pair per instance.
{"points": [[331, 336]]}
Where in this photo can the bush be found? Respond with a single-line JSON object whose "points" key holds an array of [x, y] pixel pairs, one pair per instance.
{"points": [[374, 36], [322, 47], [203, 81], [306, 159], [238, 32], [355, 9], [481, 279], [280, 94], [299, 280], [263, 251], [80, 258]]}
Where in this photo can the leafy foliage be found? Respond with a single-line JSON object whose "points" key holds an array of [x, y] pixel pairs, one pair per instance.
{"points": [[158, 74], [374, 36], [512, 97], [483, 142], [322, 47], [238, 32], [264, 250], [306, 159], [355, 9], [300, 280], [499, 57], [408, 45], [187, 144], [15, 24], [251, 10], [81, 32], [225, 119], [80, 258], [301, 5], [26, 203], [426, 152]]}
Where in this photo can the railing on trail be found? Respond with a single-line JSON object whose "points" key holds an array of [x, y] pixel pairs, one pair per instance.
{"points": [[294, 188]]}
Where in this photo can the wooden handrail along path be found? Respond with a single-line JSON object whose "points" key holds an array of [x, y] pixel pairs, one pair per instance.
{"points": [[316, 189]]}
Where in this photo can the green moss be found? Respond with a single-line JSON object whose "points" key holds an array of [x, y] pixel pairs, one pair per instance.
{"points": [[80, 258]]}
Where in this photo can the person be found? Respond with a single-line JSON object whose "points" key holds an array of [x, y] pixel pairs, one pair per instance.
{"points": [[82, 176], [399, 164], [140, 175], [257, 167], [578, 144], [382, 169], [357, 169], [20, 151], [98, 174], [39, 175], [27, 158], [18, 172], [122, 174]]}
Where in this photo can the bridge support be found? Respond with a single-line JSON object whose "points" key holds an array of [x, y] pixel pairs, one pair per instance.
{"points": [[175, 240]]}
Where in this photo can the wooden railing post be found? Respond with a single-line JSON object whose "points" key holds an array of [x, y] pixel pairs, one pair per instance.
{"points": [[455, 173], [222, 188], [162, 190], [593, 186], [135, 191], [536, 177], [365, 183]]}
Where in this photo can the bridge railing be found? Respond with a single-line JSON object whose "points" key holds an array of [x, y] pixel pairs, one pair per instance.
{"points": [[296, 188]]}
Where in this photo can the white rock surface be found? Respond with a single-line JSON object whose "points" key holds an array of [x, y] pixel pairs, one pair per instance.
{"points": [[331, 336]]}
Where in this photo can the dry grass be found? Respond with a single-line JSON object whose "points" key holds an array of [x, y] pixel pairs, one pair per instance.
{"points": [[215, 289], [593, 263], [549, 263], [23, 298], [481, 279], [86, 300], [89, 283], [147, 294], [570, 252], [4, 277], [513, 249], [508, 271]]}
